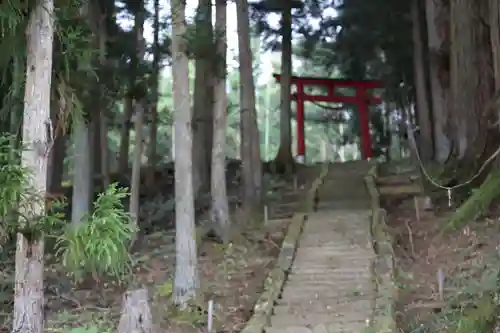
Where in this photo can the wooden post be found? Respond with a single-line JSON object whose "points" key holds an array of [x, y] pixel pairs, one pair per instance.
{"points": [[301, 142], [364, 119]]}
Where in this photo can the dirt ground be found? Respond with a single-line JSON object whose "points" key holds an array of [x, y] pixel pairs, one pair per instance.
{"points": [[466, 260], [231, 275]]}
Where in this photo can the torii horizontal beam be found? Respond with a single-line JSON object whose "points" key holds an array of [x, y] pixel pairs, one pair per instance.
{"points": [[327, 82]]}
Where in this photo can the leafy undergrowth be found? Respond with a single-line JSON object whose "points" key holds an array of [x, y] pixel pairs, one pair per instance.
{"points": [[466, 260], [232, 276]]}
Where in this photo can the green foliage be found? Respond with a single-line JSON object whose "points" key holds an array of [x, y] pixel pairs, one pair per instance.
{"points": [[89, 329], [73, 53], [99, 244], [18, 199]]}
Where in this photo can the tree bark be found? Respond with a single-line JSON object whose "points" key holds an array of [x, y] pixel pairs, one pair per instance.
{"points": [[220, 206], [152, 155], [135, 182], [138, 120], [58, 152], [422, 101], [103, 124], [128, 110], [250, 138], [136, 313], [95, 138], [471, 81], [203, 99], [437, 18], [284, 157], [82, 174], [129, 99], [494, 19], [28, 289], [186, 275]]}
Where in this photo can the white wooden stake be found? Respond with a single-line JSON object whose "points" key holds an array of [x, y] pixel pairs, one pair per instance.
{"points": [[210, 321], [440, 278], [417, 211]]}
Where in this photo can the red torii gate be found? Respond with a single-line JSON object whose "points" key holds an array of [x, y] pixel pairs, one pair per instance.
{"points": [[361, 100]]}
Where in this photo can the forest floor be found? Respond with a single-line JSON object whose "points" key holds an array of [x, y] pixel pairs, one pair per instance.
{"points": [[233, 276], [466, 260]]}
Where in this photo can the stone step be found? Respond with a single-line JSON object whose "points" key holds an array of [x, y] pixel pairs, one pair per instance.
{"points": [[335, 238], [329, 270], [349, 244], [341, 241], [314, 293], [332, 265], [346, 281], [333, 309], [332, 232], [288, 298], [315, 319], [336, 229], [332, 262], [352, 327], [330, 282], [334, 283], [339, 246], [351, 225], [338, 256], [327, 202], [349, 250]]}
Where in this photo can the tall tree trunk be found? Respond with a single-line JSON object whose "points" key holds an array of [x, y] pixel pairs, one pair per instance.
{"points": [[94, 19], [28, 289], [58, 151], [437, 18], [135, 182], [103, 124], [82, 175], [203, 99], [471, 81], [95, 138], [152, 156], [220, 206], [138, 119], [494, 19], [284, 158], [423, 109], [129, 103], [128, 110], [186, 275], [250, 138], [16, 112]]}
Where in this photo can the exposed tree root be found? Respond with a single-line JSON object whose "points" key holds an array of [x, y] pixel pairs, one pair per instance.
{"points": [[284, 163], [478, 202]]}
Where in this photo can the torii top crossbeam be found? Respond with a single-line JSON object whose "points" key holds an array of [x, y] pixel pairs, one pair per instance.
{"points": [[361, 100], [322, 81]]}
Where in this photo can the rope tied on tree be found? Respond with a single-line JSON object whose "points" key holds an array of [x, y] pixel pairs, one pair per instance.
{"points": [[449, 189]]}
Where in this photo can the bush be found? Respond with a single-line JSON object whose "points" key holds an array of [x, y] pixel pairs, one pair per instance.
{"points": [[99, 244]]}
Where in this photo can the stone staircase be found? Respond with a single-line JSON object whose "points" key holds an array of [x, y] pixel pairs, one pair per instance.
{"points": [[330, 286]]}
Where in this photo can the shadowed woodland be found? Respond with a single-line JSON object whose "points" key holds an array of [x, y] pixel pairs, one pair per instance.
{"points": [[148, 157]]}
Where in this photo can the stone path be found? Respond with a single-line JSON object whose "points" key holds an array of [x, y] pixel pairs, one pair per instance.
{"points": [[330, 287]]}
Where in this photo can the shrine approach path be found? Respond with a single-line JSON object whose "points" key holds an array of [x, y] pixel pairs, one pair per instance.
{"points": [[330, 286]]}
